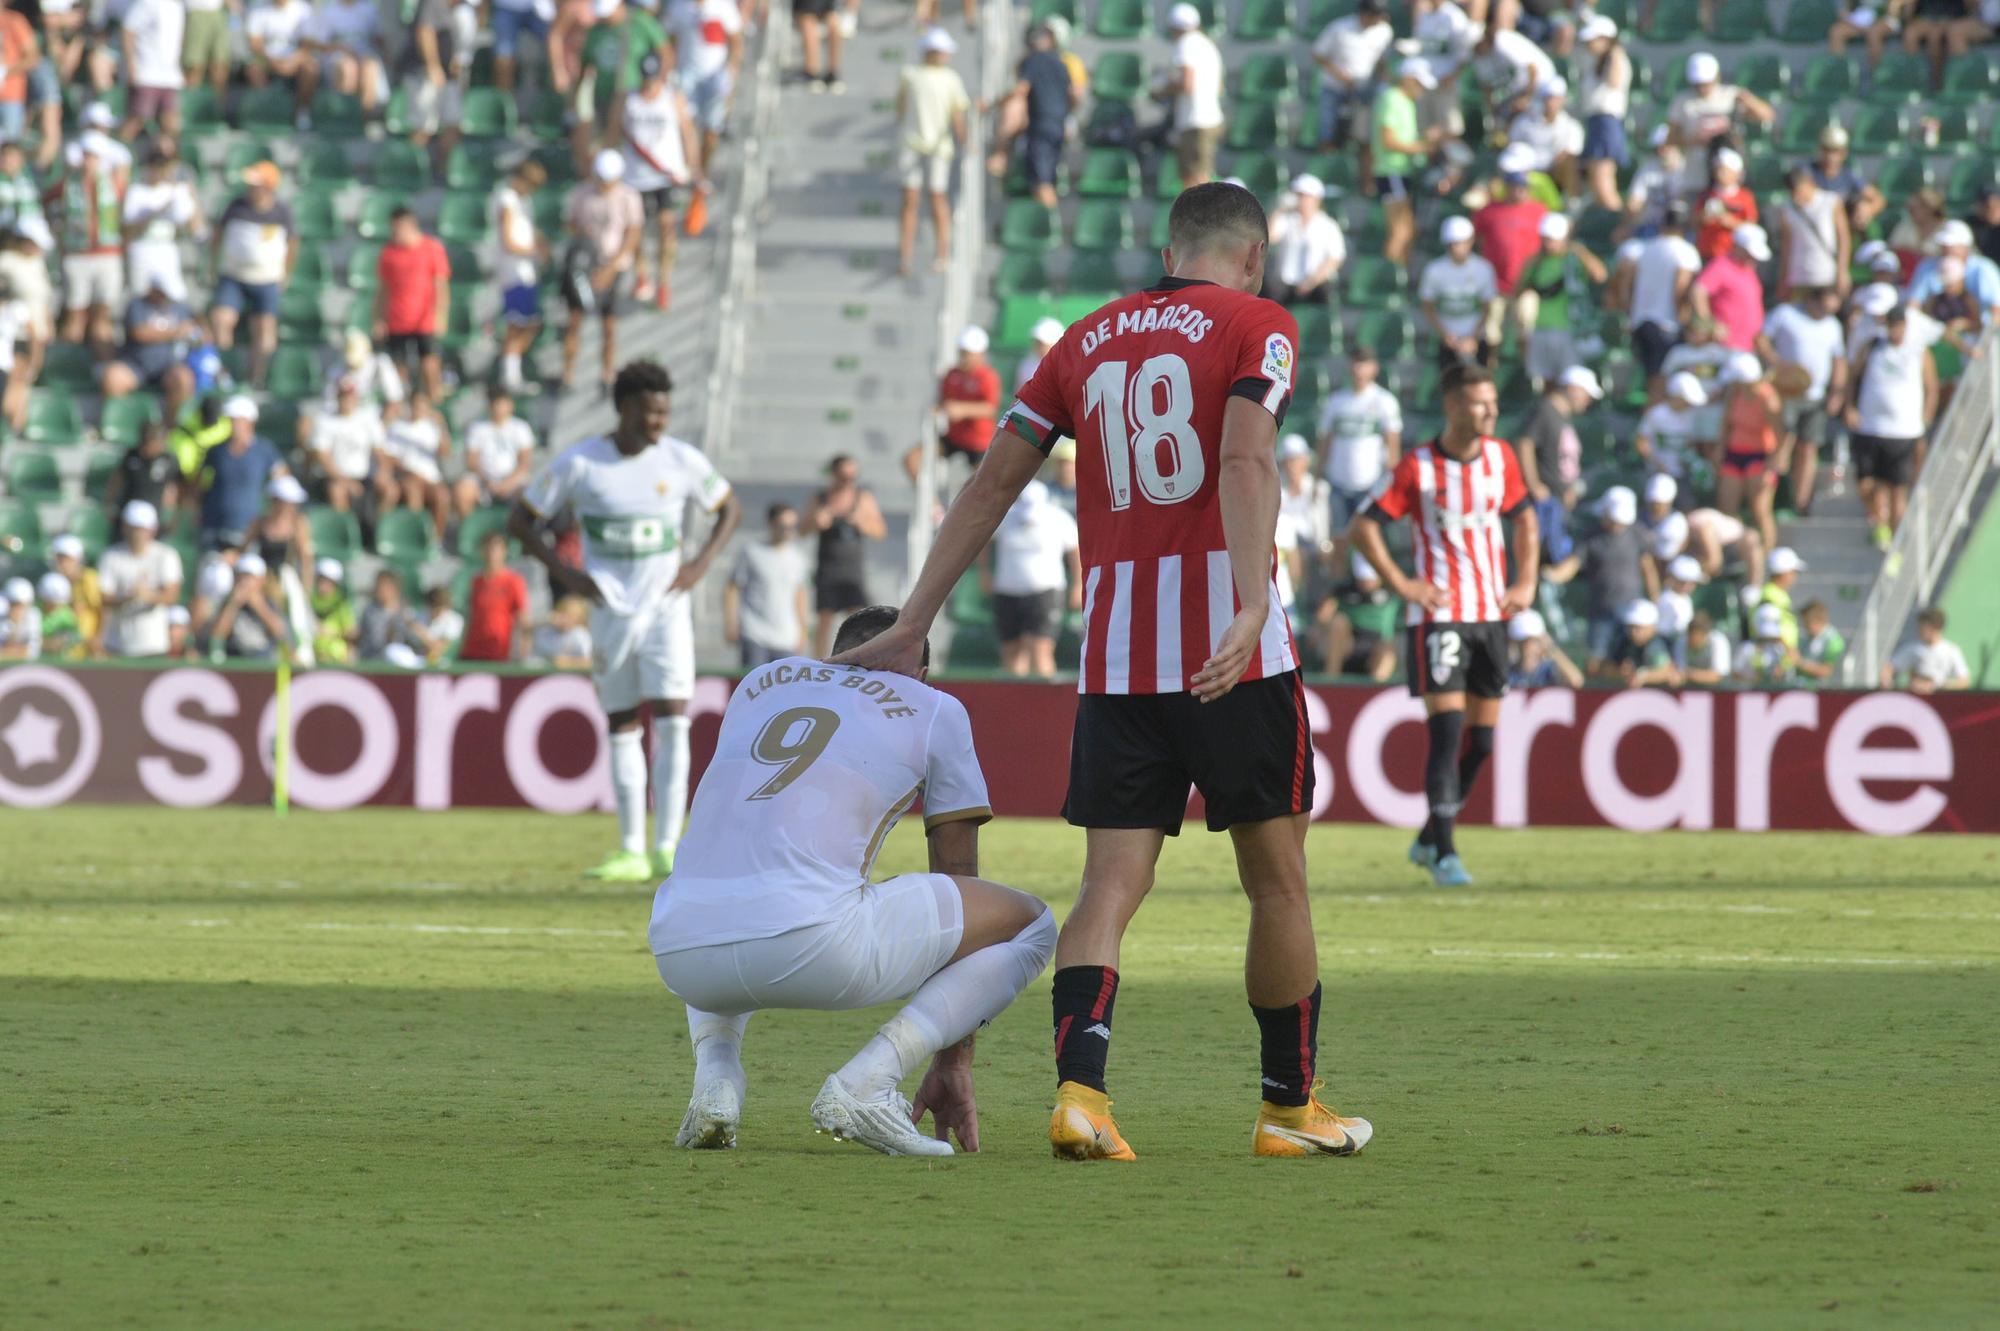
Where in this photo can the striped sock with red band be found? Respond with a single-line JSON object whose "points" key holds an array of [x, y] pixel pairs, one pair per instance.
{"points": [[1290, 1037], [1082, 997]]}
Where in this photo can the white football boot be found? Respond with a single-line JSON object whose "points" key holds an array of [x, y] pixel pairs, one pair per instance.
{"points": [[714, 1110], [882, 1123]]}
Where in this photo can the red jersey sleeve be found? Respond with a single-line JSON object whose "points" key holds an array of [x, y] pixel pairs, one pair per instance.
{"points": [[1264, 356], [1041, 411], [1399, 497], [1513, 490]]}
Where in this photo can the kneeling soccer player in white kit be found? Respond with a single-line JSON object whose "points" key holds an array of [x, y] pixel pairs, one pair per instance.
{"points": [[769, 904]]}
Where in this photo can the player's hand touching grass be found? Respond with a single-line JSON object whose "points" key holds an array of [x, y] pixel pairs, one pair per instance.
{"points": [[1220, 673], [946, 1094]]}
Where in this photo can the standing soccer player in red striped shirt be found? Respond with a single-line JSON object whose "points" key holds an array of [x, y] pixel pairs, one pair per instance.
{"points": [[1459, 489], [1189, 677]]}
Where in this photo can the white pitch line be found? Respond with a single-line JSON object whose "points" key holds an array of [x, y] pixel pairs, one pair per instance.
{"points": [[546, 931], [1614, 905], [1634, 958]]}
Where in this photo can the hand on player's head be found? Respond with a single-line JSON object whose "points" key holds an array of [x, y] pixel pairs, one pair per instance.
{"points": [[872, 639]]}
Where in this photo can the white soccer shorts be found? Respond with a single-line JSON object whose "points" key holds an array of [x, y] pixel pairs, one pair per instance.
{"points": [[658, 665], [892, 936]]}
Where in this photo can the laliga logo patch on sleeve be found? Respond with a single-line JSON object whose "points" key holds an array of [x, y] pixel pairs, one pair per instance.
{"points": [[1278, 359]]}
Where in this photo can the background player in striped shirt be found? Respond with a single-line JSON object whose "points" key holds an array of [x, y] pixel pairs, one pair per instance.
{"points": [[1458, 490], [1174, 396]]}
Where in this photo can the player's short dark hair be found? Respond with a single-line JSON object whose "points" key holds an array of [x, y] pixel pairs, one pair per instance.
{"points": [[640, 376], [868, 623], [1931, 618], [1217, 211], [771, 513], [1462, 376], [402, 212]]}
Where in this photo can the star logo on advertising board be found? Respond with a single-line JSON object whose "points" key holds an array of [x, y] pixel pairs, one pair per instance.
{"points": [[50, 737]]}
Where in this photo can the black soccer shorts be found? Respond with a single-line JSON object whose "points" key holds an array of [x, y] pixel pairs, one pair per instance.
{"points": [[1458, 658], [1134, 755]]}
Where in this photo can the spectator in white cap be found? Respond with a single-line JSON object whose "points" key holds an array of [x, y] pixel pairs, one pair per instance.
{"points": [[20, 621], [138, 578], [283, 538], [1752, 427], [234, 475], [1730, 290], [1458, 294], [1549, 449], [1034, 115], [1549, 296], [1705, 112], [605, 221], [1349, 52], [1305, 519], [1807, 348], [1880, 261], [1307, 247], [931, 109], [1830, 168], [1782, 569], [1604, 94], [249, 625], [1676, 602], [1194, 84], [1724, 206], [1042, 339], [1895, 402], [1507, 228], [1666, 439], [67, 553], [1639, 658], [344, 445], [1814, 243], [1930, 661], [1401, 150], [1615, 571], [1538, 662], [1953, 240], [333, 613], [1551, 136], [1360, 440], [968, 402], [1767, 658], [1656, 183], [57, 614]]}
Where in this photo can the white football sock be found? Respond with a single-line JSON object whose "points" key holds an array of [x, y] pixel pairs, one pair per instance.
{"points": [[949, 1006], [628, 785], [670, 779], [718, 1046]]}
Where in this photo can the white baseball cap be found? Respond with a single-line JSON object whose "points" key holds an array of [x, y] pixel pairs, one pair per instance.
{"points": [[1670, 536], [1555, 226], [67, 545], [1784, 559], [1456, 230], [139, 513], [250, 564], [1640, 615], [1526, 624], [1687, 388], [1750, 238], [1516, 159], [240, 408], [938, 41], [1581, 376], [1306, 183], [1686, 568], [608, 165], [1555, 87], [1742, 368], [1728, 159], [402, 656], [331, 569], [1047, 332], [1596, 26], [20, 591], [1768, 622], [1661, 488], [285, 488], [1294, 446], [1702, 67], [1876, 299], [1658, 138], [1182, 17], [1834, 136], [973, 338], [1867, 254], [1418, 71], [1954, 234], [1619, 505], [54, 587], [178, 615], [98, 116]]}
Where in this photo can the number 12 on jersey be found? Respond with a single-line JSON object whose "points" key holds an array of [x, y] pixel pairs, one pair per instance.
{"points": [[1144, 421]]}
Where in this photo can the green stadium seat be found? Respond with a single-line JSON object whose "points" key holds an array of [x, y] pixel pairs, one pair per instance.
{"points": [[1763, 171], [1957, 127], [405, 536], [334, 534], [1316, 331], [278, 421], [1156, 237], [1026, 227], [89, 523], [1764, 73], [463, 329], [471, 167], [1799, 130], [1388, 333], [327, 164], [1337, 171], [299, 316], [373, 224], [1018, 315], [246, 153], [1079, 305], [1741, 21], [1900, 78], [1880, 129], [1103, 224], [1167, 179], [1109, 173], [462, 218], [201, 111], [1899, 177], [1021, 275], [69, 365], [1968, 177], [1675, 21], [1043, 10], [1253, 127], [53, 418], [311, 266], [1269, 76], [267, 111], [1120, 20], [1118, 76], [1096, 270], [400, 166], [1263, 21], [396, 115], [361, 273], [1376, 281], [315, 216], [1319, 13], [33, 475], [294, 373], [20, 526], [488, 113], [1808, 21], [474, 528], [338, 117], [1971, 79], [126, 417], [1263, 173], [98, 469], [1827, 79]]}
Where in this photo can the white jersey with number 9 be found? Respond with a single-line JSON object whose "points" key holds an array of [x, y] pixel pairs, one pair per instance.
{"points": [[814, 765]]}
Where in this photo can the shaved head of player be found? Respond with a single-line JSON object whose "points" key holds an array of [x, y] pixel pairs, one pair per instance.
{"points": [[1189, 675], [770, 903], [1458, 489]]}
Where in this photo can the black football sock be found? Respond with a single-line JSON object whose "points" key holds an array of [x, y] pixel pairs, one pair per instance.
{"points": [[1441, 780], [1083, 997], [1291, 1048], [1478, 748]]}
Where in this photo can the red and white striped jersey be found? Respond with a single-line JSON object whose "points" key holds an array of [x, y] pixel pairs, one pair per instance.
{"points": [[1460, 510], [1141, 386]]}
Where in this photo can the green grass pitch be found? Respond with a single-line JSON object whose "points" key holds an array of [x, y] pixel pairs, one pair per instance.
{"points": [[405, 1070]]}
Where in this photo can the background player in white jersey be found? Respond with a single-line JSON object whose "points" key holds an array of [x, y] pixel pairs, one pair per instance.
{"points": [[630, 490], [770, 905], [655, 128]]}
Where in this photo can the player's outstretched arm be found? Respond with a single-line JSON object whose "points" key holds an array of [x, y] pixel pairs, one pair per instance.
{"points": [[1009, 465], [1248, 489]]}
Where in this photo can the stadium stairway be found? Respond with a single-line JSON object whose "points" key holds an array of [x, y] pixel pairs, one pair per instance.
{"points": [[1840, 563]]}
